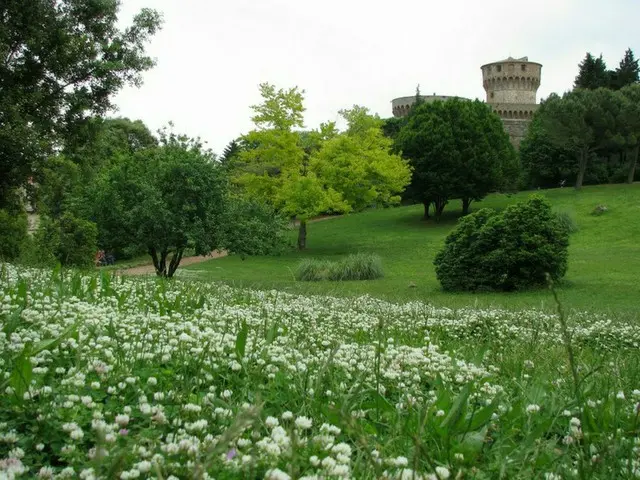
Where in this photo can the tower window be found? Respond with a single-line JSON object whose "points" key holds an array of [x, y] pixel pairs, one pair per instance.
{"points": [[499, 68], [493, 94], [523, 67]]}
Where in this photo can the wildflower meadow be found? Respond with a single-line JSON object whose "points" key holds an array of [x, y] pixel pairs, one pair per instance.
{"points": [[111, 377]]}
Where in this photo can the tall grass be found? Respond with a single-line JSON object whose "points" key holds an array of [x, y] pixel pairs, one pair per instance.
{"points": [[359, 266]]}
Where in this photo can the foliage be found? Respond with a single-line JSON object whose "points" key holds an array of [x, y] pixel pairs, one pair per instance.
{"points": [[60, 61], [68, 240], [252, 227], [511, 250], [358, 163], [592, 73], [13, 233], [627, 73], [359, 266], [458, 149], [599, 129], [163, 200], [304, 174]]}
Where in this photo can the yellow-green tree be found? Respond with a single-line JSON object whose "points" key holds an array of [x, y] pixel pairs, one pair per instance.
{"points": [[305, 173]]}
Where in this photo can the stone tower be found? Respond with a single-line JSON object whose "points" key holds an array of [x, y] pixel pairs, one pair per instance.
{"points": [[511, 87]]}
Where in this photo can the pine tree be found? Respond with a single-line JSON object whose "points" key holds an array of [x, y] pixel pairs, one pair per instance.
{"points": [[593, 73], [230, 151], [627, 73]]}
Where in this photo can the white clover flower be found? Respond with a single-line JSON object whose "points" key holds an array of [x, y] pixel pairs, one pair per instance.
{"points": [[620, 395], [271, 422], [122, 420], [303, 423], [532, 408], [76, 434], [152, 381], [440, 413], [442, 473], [276, 474], [144, 466], [314, 460], [287, 415]]}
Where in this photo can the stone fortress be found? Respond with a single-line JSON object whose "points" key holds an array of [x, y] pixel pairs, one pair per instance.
{"points": [[511, 86]]}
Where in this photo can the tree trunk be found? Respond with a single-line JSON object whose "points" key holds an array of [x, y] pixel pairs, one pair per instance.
{"points": [[302, 235], [175, 261], [466, 202], [154, 257], [633, 161], [160, 263], [426, 210], [582, 167], [439, 204]]}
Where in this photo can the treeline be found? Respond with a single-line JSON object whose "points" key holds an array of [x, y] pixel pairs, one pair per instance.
{"points": [[589, 135]]}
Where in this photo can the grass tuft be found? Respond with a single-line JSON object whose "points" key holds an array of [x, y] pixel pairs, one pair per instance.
{"points": [[359, 266]]}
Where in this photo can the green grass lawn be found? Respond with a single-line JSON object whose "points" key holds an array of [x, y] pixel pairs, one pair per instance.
{"points": [[604, 255]]}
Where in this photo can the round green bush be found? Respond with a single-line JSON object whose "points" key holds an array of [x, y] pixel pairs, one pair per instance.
{"points": [[510, 250]]}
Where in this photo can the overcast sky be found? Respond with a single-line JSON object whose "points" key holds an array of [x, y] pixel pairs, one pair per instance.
{"points": [[212, 54]]}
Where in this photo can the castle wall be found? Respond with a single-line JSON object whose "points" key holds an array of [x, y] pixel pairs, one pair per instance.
{"points": [[517, 129]]}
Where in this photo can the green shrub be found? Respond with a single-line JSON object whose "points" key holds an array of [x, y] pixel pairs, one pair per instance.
{"points": [[511, 250], [13, 233], [567, 220], [313, 270], [69, 240], [358, 266]]}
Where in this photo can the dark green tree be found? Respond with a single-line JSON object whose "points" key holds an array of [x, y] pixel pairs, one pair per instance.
{"points": [[230, 152], [580, 123], [458, 149], [592, 73], [59, 62], [163, 200], [627, 72]]}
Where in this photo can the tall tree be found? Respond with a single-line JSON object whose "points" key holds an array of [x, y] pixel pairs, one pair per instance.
{"points": [[582, 122], [458, 149], [305, 173], [60, 61], [627, 72], [593, 73], [162, 200]]}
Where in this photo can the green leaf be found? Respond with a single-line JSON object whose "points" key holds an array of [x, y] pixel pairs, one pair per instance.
{"points": [[457, 408], [21, 374], [241, 340]]}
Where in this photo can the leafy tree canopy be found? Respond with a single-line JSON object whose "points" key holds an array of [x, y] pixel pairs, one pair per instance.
{"points": [[458, 149], [164, 199], [59, 62], [298, 171]]}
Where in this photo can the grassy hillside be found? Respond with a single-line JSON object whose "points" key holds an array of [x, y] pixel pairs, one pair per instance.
{"points": [[604, 257]]}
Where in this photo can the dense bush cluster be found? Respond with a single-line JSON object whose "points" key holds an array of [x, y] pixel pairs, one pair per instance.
{"points": [[510, 250], [360, 266]]}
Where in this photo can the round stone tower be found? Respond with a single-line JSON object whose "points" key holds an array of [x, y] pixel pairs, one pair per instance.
{"points": [[511, 87]]}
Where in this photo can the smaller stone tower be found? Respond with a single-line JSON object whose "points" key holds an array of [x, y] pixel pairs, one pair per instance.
{"points": [[511, 87]]}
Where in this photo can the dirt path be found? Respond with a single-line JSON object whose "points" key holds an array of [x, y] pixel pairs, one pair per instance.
{"points": [[149, 269]]}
